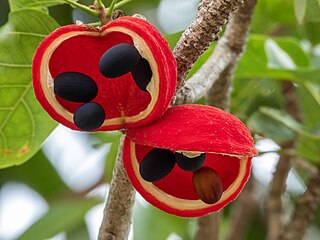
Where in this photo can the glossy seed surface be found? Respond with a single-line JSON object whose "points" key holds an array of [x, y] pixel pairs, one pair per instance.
{"points": [[75, 87], [119, 60], [190, 164], [207, 185], [157, 164], [89, 116], [142, 74]]}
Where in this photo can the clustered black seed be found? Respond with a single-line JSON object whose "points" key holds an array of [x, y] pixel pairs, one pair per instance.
{"points": [[190, 164], [123, 58], [89, 116], [159, 162], [142, 74], [78, 87], [75, 87]]}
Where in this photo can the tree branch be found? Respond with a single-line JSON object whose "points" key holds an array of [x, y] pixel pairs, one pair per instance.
{"points": [[305, 210], [208, 227], [233, 40], [118, 210], [242, 211], [223, 60], [204, 29], [210, 18], [278, 184], [274, 203]]}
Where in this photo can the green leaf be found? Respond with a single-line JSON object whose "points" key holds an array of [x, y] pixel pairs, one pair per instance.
{"points": [[172, 39], [311, 30], [80, 232], [255, 62], [36, 4], [265, 126], [300, 10], [312, 11], [309, 149], [152, 223], [24, 125], [106, 137], [287, 121], [277, 57], [309, 100], [111, 159], [250, 94], [39, 174], [62, 216]]}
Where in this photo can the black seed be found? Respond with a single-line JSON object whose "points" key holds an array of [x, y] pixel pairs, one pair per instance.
{"points": [[75, 87], [119, 60], [190, 164], [89, 116], [142, 74], [157, 164]]}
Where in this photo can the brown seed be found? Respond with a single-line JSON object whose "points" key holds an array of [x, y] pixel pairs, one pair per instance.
{"points": [[208, 185]]}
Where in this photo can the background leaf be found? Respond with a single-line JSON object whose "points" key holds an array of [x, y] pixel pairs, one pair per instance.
{"points": [[300, 10], [148, 220], [37, 173], [23, 123], [61, 216], [286, 120], [37, 4]]}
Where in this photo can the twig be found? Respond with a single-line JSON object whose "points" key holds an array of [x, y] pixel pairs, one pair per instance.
{"points": [[208, 227], [274, 203], [303, 164], [204, 29], [305, 210], [278, 184], [242, 211], [223, 60], [118, 210], [233, 40], [99, 7], [211, 16], [82, 7]]}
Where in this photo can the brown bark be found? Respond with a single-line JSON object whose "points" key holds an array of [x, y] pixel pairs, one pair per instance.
{"points": [[118, 210], [274, 203], [203, 30], [242, 212], [305, 211], [233, 41], [210, 18], [208, 227], [221, 63]]}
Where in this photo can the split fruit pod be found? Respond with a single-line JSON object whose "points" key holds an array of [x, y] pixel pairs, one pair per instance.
{"points": [[122, 75], [218, 150]]}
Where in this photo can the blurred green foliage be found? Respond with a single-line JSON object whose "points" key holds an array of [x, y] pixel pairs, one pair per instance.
{"points": [[283, 45]]}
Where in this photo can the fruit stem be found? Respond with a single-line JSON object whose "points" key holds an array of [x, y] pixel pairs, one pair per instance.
{"points": [[95, 24], [100, 4], [111, 8], [101, 11], [82, 7], [120, 4]]}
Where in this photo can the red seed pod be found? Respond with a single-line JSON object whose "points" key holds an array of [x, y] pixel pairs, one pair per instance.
{"points": [[192, 130], [126, 68]]}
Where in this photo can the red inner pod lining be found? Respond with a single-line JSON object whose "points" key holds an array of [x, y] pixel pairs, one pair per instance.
{"points": [[118, 96], [178, 182]]}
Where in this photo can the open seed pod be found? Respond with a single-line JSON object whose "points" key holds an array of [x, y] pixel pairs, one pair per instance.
{"points": [[122, 75], [154, 159]]}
